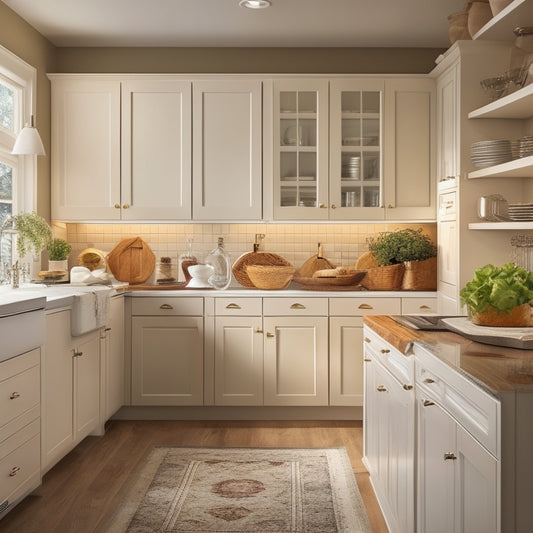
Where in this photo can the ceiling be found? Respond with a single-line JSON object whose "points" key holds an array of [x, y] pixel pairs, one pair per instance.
{"points": [[210, 23]]}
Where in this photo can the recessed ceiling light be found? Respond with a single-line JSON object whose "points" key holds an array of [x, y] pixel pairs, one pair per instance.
{"points": [[255, 4]]}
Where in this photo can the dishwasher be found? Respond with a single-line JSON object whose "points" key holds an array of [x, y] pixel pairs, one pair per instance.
{"points": [[22, 333]]}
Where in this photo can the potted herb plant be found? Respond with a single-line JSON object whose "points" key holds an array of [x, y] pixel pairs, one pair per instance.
{"points": [[499, 296], [408, 257], [58, 251]]}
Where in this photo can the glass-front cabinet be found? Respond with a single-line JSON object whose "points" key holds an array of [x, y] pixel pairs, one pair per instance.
{"points": [[301, 149], [355, 182]]}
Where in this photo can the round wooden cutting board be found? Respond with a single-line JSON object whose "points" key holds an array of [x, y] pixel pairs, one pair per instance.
{"points": [[131, 260]]}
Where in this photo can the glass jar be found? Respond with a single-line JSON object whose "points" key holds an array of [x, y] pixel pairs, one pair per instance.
{"points": [[185, 260], [218, 258], [166, 271], [522, 51]]}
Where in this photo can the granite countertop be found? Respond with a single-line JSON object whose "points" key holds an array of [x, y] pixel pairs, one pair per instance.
{"points": [[498, 369]]}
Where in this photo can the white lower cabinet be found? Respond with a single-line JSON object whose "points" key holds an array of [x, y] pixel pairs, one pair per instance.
{"points": [[389, 431], [167, 351], [70, 382]]}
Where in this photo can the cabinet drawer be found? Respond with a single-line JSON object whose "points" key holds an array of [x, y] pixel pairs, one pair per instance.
{"points": [[168, 306], [364, 306], [295, 306], [238, 306], [473, 408], [21, 391], [419, 306], [19, 462]]}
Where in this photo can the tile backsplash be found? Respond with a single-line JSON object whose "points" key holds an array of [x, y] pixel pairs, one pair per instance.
{"points": [[342, 243]]}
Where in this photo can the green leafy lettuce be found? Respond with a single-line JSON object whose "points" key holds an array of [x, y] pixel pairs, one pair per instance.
{"points": [[502, 288]]}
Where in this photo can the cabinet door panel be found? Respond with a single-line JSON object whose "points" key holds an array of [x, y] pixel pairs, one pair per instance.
{"points": [[115, 358], [227, 150], [238, 361], [85, 150], [296, 361], [167, 361], [156, 150]]}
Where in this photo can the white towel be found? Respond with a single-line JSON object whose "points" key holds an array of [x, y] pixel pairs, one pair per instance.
{"points": [[90, 310]]}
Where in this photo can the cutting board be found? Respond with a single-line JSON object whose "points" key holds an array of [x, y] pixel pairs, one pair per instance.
{"points": [[131, 260]]}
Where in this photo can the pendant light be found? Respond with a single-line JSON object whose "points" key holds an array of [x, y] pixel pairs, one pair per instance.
{"points": [[255, 4], [28, 141]]}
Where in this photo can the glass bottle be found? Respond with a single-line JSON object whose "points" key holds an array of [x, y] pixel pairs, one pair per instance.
{"points": [[186, 259], [218, 258]]}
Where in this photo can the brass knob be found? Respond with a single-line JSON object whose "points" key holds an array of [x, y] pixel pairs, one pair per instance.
{"points": [[126, 206], [450, 455], [117, 206], [390, 206], [385, 350], [333, 206], [367, 339], [381, 388], [407, 387], [259, 330]]}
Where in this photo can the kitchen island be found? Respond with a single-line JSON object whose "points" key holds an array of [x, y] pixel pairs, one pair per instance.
{"points": [[447, 425]]}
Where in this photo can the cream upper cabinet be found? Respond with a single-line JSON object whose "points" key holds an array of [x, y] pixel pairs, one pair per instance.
{"points": [[300, 149], [156, 150], [85, 149], [227, 137]]}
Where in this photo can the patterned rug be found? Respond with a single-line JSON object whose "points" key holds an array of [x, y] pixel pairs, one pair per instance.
{"points": [[244, 490]]}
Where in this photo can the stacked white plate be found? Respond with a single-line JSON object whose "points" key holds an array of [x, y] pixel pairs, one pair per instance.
{"points": [[526, 146], [489, 153], [351, 168], [521, 212]]}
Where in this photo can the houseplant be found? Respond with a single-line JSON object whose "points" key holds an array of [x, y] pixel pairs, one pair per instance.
{"points": [[33, 232], [499, 296], [408, 257], [58, 251]]}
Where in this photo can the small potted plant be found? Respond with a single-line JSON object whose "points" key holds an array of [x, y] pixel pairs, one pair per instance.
{"points": [[499, 296], [408, 260], [58, 251], [32, 232]]}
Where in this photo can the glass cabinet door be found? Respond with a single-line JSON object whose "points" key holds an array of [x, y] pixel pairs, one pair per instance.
{"points": [[301, 149], [356, 149]]}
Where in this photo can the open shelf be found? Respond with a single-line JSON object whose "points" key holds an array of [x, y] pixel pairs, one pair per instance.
{"points": [[501, 225], [517, 105], [501, 26], [518, 168]]}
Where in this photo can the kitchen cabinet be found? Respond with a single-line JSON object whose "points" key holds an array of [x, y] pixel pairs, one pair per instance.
{"points": [[113, 360], [389, 430], [295, 351], [86, 149], [70, 382], [20, 407], [458, 477], [227, 137], [238, 351], [167, 351]]}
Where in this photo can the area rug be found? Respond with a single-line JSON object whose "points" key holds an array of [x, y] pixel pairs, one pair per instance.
{"points": [[244, 490]]}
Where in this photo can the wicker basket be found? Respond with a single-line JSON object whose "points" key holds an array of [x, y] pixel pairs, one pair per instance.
{"points": [[420, 275], [384, 278], [270, 277], [255, 258], [520, 316]]}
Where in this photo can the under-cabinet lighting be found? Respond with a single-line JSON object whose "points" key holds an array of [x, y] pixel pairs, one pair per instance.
{"points": [[255, 4]]}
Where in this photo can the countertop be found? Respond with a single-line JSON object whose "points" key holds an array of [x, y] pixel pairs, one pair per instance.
{"points": [[497, 369]]}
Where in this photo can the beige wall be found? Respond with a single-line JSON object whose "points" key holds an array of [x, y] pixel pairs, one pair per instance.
{"points": [[250, 60], [20, 38]]}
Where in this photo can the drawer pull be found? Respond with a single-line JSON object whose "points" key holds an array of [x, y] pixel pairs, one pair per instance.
{"points": [[424, 307], [381, 388], [407, 387], [429, 381], [450, 455], [76, 354], [270, 335], [233, 306], [367, 339], [298, 306], [385, 350], [365, 306], [259, 330], [427, 403], [367, 360], [14, 396], [107, 329], [165, 306], [14, 471]]}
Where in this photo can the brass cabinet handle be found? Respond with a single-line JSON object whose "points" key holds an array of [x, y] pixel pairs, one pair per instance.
{"points": [[76, 354], [270, 335], [424, 307], [365, 306], [165, 306], [367, 360], [233, 306], [450, 455], [367, 339], [14, 471], [298, 306], [322, 206], [14, 396], [381, 388], [427, 403], [259, 330], [107, 329], [407, 387], [390, 206], [333, 206], [429, 381], [126, 206], [385, 350], [117, 206]]}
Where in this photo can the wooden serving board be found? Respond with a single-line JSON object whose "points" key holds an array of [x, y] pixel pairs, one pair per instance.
{"points": [[131, 260]]}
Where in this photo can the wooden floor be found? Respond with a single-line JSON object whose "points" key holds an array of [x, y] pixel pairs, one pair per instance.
{"points": [[80, 493]]}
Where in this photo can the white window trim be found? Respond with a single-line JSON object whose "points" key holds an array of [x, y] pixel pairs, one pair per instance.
{"points": [[23, 76]]}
